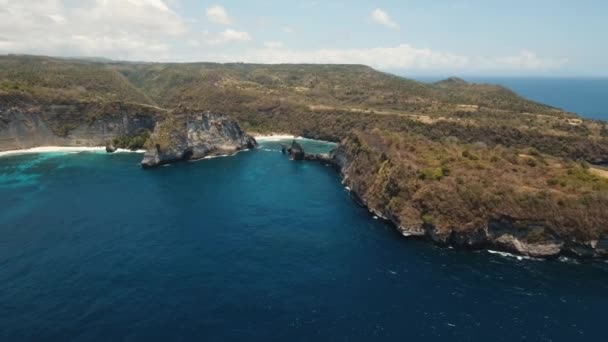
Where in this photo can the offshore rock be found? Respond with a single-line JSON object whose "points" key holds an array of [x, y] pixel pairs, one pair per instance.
{"points": [[194, 136], [296, 151], [110, 148]]}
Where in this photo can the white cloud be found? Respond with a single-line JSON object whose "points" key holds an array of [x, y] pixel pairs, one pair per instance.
{"points": [[399, 57], [218, 14], [142, 16], [117, 28], [381, 17], [150, 30], [403, 57], [231, 35], [527, 60], [224, 37], [58, 19], [273, 45]]}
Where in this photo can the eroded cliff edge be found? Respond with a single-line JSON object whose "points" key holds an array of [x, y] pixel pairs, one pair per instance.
{"points": [[531, 205], [192, 136], [26, 122]]}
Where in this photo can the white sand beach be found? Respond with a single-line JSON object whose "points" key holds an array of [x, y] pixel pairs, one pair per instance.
{"points": [[275, 137], [63, 149]]}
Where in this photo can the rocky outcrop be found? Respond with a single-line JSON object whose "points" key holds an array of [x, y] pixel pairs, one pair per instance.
{"points": [[507, 234], [110, 148], [194, 136], [296, 151]]}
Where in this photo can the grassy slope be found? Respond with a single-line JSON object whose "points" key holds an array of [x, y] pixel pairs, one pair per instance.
{"points": [[335, 86], [52, 80], [459, 187]]}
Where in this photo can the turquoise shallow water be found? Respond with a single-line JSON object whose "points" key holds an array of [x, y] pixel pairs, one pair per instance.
{"points": [[253, 247]]}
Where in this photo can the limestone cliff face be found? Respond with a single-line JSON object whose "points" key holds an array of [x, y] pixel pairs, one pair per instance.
{"points": [[525, 237], [194, 136], [27, 125]]}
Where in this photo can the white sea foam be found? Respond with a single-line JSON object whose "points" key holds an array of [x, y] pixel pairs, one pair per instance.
{"points": [[121, 150], [52, 149], [567, 260], [218, 156], [510, 255], [64, 149]]}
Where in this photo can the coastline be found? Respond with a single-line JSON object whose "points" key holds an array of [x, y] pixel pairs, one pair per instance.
{"points": [[63, 149], [279, 137], [275, 137]]}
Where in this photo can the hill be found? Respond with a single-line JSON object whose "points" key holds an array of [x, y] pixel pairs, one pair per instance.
{"points": [[45, 79]]}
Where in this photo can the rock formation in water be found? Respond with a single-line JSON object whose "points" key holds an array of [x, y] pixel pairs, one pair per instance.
{"points": [[296, 151], [194, 136], [110, 148]]}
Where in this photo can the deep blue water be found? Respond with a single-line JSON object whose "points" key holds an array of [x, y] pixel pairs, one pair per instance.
{"points": [[253, 248], [587, 97]]}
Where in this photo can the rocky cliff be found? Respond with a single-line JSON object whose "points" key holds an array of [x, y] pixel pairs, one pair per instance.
{"points": [[194, 136], [433, 209], [26, 124]]}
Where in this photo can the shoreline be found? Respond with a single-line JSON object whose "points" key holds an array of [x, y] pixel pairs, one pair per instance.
{"points": [[275, 137], [63, 149], [279, 137]]}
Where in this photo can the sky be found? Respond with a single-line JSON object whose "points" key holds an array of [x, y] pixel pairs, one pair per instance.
{"points": [[411, 37]]}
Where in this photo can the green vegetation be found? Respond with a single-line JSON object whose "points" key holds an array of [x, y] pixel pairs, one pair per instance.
{"points": [[132, 142], [456, 186], [57, 81]]}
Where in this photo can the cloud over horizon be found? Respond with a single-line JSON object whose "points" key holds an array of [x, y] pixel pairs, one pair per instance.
{"points": [[152, 30]]}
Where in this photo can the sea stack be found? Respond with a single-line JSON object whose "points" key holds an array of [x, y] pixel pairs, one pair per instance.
{"points": [[296, 151], [193, 136]]}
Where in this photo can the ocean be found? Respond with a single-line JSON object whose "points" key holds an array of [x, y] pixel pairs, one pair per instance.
{"points": [[254, 247], [587, 97]]}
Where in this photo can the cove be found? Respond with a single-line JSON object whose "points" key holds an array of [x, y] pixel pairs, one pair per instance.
{"points": [[253, 247]]}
